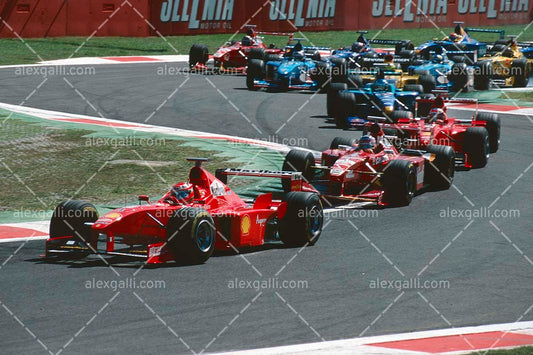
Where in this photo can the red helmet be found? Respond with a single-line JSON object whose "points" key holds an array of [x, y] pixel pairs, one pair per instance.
{"points": [[183, 192]]}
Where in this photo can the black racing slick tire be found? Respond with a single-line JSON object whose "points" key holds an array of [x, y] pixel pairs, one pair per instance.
{"points": [[482, 75], [301, 161], [302, 223], [519, 70], [70, 218], [338, 141], [333, 97], [414, 87], [398, 114], [191, 235], [477, 146], [399, 181], [256, 70], [428, 82], [256, 53], [441, 170], [493, 126], [198, 54]]}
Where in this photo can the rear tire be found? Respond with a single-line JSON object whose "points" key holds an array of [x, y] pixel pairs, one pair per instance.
{"points": [[354, 81], [459, 78], [256, 53], [300, 161], [337, 141], [493, 126], [339, 70], [302, 223], [441, 171], [428, 82], [477, 146], [414, 87], [521, 78], [191, 235], [396, 115], [399, 181]]}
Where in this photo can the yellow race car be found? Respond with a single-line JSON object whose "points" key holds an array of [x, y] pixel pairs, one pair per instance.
{"points": [[504, 66]]}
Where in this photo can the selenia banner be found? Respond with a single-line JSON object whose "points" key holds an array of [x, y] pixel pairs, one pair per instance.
{"points": [[35, 18]]}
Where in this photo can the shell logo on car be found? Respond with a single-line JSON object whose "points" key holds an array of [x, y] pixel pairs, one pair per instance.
{"points": [[245, 225]]}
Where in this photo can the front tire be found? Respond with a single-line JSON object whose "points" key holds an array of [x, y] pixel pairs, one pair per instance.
{"points": [[191, 235], [198, 54], [256, 70], [399, 181], [69, 218], [333, 97]]}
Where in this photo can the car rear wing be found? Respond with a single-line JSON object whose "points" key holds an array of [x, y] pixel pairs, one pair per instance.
{"points": [[295, 177], [382, 60], [281, 34], [486, 30], [524, 44], [388, 42], [471, 55]]}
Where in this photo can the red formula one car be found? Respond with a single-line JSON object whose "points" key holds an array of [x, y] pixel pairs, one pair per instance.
{"points": [[191, 221], [233, 57], [370, 172], [472, 139]]}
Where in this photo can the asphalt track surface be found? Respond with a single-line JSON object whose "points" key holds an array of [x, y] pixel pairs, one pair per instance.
{"points": [[487, 261]]}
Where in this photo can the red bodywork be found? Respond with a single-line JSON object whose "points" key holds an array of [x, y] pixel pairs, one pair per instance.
{"points": [[140, 231], [416, 133], [233, 57], [348, 174]]}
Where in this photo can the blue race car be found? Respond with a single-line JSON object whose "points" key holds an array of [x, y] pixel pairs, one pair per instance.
{"points": [[449, 75], [301, 68], [361, 55], [459, 40], [375, 99]]}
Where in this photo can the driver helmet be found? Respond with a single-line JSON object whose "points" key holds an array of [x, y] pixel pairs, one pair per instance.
{"points": [[357, 47], [380, 85], [183, 193], [436, 114], [454, 37], [247, 41], [299, 54], [438, 58], [366, 143], [376, 130]]}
